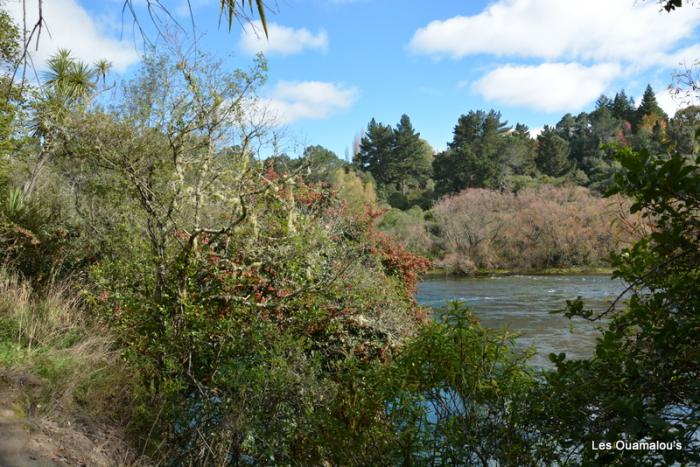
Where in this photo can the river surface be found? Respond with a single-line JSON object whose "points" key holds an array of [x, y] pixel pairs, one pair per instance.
{"points": [[524, 303]]}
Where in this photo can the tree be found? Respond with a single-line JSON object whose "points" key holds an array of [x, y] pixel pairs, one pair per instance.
{"points": [[160, 15], [409, 167], [683, 131], [10, 47], [398, 159], [603, 102], [649, 107], [322, 164], [623, 107], [577, 131], [359, 194], [68, 87], [517, 155], [552, 153], [642, 381], [474, 155], [375, 151]]}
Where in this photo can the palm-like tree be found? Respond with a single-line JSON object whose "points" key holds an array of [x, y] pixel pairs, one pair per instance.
{"points": [[230, 8], [72, 80], [101, 68], [69, 84]]}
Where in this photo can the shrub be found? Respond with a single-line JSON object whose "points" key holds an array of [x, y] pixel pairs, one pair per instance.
{"points": [[534, 229]]}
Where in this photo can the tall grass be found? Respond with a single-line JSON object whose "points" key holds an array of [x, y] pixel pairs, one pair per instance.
{"points": [[58, 362]]}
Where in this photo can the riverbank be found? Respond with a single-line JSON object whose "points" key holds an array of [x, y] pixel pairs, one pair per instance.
{"points": [[570, 271]]}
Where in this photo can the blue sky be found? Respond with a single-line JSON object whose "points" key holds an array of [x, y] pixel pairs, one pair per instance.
{"points": [[335, 64]]}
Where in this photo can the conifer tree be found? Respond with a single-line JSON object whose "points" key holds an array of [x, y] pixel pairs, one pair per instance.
{"points": [[552, 153], [649, 106], [375, 151], [623, 106], [408, 166], [474, 155]]}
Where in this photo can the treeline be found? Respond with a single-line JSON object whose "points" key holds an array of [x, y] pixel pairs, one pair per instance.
{"points": [[395, 167], [486, 152]]}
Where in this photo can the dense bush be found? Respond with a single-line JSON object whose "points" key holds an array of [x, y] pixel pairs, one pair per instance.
{"points": [[641, 385], [410, 227], [533, 229], [249, 301]]}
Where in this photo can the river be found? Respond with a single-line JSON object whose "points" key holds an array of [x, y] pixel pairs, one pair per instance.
{"points": [[524, 303]]}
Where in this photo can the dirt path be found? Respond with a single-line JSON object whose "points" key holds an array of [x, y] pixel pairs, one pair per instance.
{"points": [[38, 442], [19, 447]]}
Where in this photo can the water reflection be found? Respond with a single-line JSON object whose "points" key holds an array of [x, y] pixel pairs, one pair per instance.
{"points": [[524, 304]]}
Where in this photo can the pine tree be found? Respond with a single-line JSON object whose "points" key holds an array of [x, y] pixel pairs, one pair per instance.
{"points": [[408, 167], [474, 155], [649, 106], [552, 153], [375, 151], [603, 102], [623, 106], [517, 153]]}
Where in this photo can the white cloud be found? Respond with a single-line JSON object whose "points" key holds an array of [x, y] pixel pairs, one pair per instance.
{"points": [[683, 57], [598, 30], [69, 26], [281, 39], [290, 101], [549, 87]]}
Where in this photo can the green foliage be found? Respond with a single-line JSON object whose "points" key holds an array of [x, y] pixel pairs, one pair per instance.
{"points": [[10, 44], [316, 165], [649, 106], [641, 384], [552, 153], [359, 194], [460, 396], [486, 153], [623, 107], [246, 298], [411, 228], [375, 151], [399, 161], [322, 164], [472, 160], [411, 157], [260, 318], [34, 242], [10, 47], [683, 131]]}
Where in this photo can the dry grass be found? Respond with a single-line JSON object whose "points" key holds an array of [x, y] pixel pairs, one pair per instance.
{"points": [[61, 365]]}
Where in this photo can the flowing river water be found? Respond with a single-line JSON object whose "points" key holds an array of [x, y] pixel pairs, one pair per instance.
{"points": [[523, 303]]}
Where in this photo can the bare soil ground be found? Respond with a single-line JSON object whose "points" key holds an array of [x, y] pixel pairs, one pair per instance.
{"points": [[35, 441]]}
